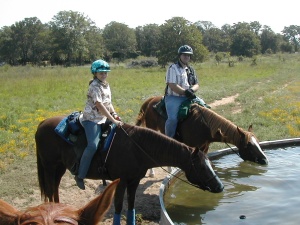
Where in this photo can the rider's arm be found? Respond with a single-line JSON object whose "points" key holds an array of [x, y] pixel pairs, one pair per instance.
{"points": [[102, 109]]}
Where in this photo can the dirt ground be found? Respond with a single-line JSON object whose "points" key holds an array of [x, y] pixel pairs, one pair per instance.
{"points": [[147, 197]]}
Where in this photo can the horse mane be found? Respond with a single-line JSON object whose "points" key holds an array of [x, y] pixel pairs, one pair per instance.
{"points": [[147, 136], [217, 123]]}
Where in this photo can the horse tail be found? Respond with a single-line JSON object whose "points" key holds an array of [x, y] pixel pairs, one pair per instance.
{"points": [[46, 176], [141, 116], [40, 167], [41, 177]]}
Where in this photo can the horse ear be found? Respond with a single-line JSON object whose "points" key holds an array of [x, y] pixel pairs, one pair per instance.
{"points": [[250, 129], [95, 210], [8, 214], [219, 135]]}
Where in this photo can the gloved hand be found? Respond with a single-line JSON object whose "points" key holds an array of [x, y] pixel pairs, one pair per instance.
{"points": [[189, 93]]}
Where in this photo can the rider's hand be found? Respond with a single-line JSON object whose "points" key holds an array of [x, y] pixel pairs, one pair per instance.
{"points": [[118, 123], [189, 93], [117, 117]]}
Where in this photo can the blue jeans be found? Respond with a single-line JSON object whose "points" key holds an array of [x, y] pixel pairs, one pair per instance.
{"points": [[93, 133], [172, 107]]}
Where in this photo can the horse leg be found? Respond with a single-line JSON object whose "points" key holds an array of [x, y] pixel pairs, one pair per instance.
{"points": [[118, 202], [131, 191]]}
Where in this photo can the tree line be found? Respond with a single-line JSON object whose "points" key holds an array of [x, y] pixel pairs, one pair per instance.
{"points": [[71, 38]]}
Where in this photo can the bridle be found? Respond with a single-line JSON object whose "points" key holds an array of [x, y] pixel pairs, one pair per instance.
{"points": [[242, 141], [203, 184]]}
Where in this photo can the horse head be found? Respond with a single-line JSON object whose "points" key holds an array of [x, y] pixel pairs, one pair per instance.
{"points": [[57, 213], [249, 148], [201, 173]]}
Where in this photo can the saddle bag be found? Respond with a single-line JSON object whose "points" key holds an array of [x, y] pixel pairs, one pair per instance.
{"points": [[74, 124], [160, 107]]}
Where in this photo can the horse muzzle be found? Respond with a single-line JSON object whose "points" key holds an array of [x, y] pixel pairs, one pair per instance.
{"points": [[262, 161]]}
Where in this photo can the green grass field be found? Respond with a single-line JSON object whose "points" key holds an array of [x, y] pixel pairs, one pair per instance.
{"points": [[269, 97]]}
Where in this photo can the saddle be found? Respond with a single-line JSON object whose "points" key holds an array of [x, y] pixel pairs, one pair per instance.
{"points": [[184, 108], [71, 131]]}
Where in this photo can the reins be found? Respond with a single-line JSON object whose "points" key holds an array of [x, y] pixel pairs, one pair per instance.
{"points": [[174, 175]]}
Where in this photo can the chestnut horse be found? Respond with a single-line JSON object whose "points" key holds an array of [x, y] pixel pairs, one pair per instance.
{"points": [[202, 127], [58, 213], [133, 151]]}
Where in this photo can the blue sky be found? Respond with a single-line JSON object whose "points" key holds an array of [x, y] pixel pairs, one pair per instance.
{"points": [[135, 13]]}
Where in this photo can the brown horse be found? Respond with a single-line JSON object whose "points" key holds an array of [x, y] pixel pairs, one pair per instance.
{"points": [[133, 151], [202, 127], [58, 213]]}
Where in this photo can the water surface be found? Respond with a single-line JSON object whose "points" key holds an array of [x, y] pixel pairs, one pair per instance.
{"points": [[264, 194]]}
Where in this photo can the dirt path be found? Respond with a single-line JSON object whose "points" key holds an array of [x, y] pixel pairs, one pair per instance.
{"points": [[224, 101]]}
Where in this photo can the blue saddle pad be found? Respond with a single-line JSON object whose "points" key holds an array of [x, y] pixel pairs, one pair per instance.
{"points": [[109, 138], [62, 130]]}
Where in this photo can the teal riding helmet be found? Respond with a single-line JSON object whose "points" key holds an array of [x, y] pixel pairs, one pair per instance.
{"points": [[100, 66]]}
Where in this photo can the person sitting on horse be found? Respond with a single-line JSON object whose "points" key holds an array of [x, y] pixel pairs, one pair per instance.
{"points": [[97, 110], [182, 83]]}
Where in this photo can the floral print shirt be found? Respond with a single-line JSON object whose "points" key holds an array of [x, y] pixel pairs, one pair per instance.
{"points": [[97, 92]]}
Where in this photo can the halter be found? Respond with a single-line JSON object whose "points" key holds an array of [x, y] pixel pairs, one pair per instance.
{"points": [[204, 184], [197, 172]]}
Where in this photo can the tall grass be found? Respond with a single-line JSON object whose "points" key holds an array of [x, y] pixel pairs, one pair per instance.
{"points": [[269, 95]]}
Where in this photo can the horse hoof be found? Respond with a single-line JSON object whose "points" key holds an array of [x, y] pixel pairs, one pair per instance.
{"points": [[151, 175]]}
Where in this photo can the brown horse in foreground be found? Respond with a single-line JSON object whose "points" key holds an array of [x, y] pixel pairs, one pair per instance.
{"points": [[133, 151], [202, 127], [58, 213]]}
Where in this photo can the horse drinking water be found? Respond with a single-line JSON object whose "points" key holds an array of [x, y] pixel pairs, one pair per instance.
{"points": [[133, 151], [202, 127]]}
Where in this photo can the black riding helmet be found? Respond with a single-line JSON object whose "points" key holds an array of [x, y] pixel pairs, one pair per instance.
{"points": [[185, 49]]}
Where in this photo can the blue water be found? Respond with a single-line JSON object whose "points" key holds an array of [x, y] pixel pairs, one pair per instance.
{"points": [[264, 194]]}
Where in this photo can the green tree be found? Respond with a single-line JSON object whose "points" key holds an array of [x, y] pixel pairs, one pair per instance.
{"points": [[244, 41], [95, 44], [269, 40], [203, 26], [255, 27], [69, 32], [120, 41], [148, 39], [216, 40], [8, 47], [29, 38], [292, 34], [175, 33]]}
